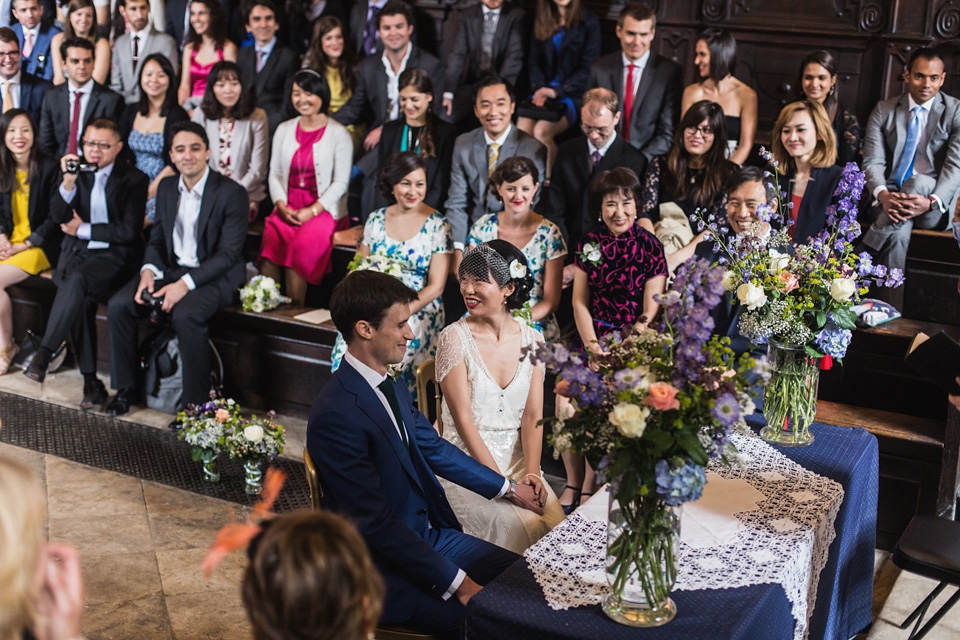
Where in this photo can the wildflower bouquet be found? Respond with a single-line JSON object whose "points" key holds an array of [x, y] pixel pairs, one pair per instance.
{"points": [[261, 294], [256, 439], [651, 411], [207, 426]]}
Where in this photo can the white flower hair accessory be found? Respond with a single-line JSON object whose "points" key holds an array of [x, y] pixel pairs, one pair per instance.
{"points": [[517, 270]]}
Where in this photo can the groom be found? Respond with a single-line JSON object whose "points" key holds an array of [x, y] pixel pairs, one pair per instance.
{"points": [[378, 458]]}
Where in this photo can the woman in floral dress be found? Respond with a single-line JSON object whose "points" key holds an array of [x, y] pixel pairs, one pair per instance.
{"points": [[540, 240], [411, 241]]}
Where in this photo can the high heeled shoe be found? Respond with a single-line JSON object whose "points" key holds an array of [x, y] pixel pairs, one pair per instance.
{"points": [[6, 358], [569, 508]]}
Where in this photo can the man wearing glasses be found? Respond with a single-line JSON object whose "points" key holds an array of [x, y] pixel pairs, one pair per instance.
{"points": [[68, 108], [100, 205], [18, 89]]}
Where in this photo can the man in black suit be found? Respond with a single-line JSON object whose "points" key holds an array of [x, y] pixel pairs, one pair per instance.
{"points": [[68, 108], [651, 103], [375, 98], [101, 215], [582, 158], [268, 66], [26, 90], [489, 40], [193, 262]]}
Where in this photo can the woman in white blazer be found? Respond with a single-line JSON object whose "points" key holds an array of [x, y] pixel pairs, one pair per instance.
{"points": [[309, 172], [237, 131]]}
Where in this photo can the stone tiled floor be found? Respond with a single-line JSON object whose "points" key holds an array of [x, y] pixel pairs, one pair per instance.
{"points": [[141, 545]]}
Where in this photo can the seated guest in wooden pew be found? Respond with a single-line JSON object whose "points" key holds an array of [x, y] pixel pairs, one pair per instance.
{"points": [[817, 82], [651, 105], [101, 211], [26, 90], [193, 263], [35, 33], [29, 237], [690, 178], [715, 57], [330, 56], [376, 98], [300, 17], [477, 153], [806, 152], [131, 50], [82, 23], [267, 67], [917, 187], [489, 40], [309, 172], [378, 459], [230, 116], [146, 126], [207, 44]]}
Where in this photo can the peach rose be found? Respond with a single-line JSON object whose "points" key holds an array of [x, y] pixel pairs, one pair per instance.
{"points": [[662, 396], [562, 388], [788, 280], [222, 415]]}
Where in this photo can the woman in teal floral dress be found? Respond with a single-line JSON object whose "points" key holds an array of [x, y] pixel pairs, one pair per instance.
{"points": [[411, 241], [540, 240]]}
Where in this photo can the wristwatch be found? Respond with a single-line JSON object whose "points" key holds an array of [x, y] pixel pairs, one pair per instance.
{"points": [[512, 490]]}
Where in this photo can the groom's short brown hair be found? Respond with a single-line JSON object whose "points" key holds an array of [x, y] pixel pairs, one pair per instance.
{"points": [[366, 295]]}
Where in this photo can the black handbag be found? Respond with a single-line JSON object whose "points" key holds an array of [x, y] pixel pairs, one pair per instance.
{"points": [[551, 110], [29, 347]]}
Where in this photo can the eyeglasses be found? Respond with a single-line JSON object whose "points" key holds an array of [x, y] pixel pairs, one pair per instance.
{"points": [[13, 55], [90, 144], [602, 131], [705, 132]]}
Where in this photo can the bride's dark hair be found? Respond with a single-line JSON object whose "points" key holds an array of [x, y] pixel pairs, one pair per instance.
{"points": [[491, 262]]}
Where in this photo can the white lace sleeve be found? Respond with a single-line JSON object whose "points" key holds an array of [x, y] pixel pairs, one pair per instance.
{"points": [[449, 351]]}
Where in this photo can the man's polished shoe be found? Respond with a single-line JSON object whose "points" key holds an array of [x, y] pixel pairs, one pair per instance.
{"points": [[94, 395], [37, 369], [122, 402]]}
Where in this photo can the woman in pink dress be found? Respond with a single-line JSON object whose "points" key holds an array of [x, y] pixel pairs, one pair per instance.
{"points": [[309, 171], [207, 44]]}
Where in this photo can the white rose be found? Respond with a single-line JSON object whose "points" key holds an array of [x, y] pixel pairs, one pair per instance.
{"points": [[729, 281], [842, 289], [629, 419], [751, 295], [517, 270], [778, 261], [257, 306], [253, 433]]}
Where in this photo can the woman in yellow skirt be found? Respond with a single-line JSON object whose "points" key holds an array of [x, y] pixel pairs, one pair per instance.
{"points": [[29, 238]]}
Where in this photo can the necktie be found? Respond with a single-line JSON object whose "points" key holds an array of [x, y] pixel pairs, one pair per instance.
{"points": [[7, 97], [370, 32], [627, 103], [74, 123], [486, 39], [259, 61], [386, 388], [98, 207], [136, 50], [909, 155], [493, 152], [597, 157], [28, 46]]}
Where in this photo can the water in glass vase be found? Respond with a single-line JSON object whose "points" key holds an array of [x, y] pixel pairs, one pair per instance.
{"points": [[790, 397]]}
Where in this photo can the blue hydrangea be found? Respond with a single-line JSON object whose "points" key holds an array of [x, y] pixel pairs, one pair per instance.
{"points": [[680, 482], [832, 340]]}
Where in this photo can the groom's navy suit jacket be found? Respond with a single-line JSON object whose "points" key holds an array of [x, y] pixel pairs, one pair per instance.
{"points": [[389, 492]]}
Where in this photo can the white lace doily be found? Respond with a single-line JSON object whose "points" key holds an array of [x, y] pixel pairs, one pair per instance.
{"points": [[786, 540]]}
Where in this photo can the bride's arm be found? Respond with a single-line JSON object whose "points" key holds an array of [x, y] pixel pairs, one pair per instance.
{"points": [[531, 433], [456, 392]]}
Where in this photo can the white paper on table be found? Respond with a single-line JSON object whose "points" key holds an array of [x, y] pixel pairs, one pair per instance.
{"points": [[317, 316]]}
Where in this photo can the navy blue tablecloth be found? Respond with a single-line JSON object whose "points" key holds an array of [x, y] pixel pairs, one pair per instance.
{"points": [[513, 605]]}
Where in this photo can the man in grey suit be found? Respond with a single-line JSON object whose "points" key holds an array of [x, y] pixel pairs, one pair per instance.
{"points": [[477, 153], [651, 105], [133, 47], [911, 157]]}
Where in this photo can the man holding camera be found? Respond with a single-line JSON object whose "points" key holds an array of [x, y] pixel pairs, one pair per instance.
{"points": [[100, 205], [192, 268]]}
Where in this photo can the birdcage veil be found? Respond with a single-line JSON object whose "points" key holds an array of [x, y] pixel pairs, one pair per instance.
{"points": [[484, 263]]}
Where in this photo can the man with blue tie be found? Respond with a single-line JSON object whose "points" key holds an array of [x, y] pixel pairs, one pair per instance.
{"points": [[35, 33], [911, 157], [378, 459]]}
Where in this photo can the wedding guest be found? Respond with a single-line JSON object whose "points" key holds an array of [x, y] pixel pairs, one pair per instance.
{"points": [[690, 178], [806, 152], [310, 576], [309, 172], [42, 587], [132, 48], [302, 16], [412, 236], [337, 63], [35, 33], [145, 127], [515, 182], [26, 90], [207, 44], [716, 53], [491, 404], [364, 27], [818, 83], [29, 237], [239, 130], [82, 23], [566, 42]]}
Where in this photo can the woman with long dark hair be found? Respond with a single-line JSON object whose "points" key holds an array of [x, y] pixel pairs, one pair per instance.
{"points": [[207, 44], [237, 129], [337, 63], [29, 237], [817, 82], [145, 127]]}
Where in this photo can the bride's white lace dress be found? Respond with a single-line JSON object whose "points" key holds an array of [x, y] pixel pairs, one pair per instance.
{"points": [[496, 414]]}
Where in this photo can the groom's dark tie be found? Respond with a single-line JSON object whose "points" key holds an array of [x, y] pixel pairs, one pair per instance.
{"points": [[386, 387]]}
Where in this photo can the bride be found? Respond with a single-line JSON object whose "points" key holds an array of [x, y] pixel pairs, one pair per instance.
{"points": [[493, 400]]}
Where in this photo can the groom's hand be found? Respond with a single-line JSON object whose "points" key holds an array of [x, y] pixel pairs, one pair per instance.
{"points": [[526, 497], [468, 588]]}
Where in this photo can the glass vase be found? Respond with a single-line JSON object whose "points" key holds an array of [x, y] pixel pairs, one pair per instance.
{"points": [[790, 397], [211, 469], [642, 540], [252, 477]]}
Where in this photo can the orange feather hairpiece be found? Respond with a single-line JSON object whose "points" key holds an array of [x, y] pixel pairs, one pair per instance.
{"points": [[238, 535]]}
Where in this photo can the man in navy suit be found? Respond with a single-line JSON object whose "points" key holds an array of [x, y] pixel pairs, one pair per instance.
{"points": [[379, 458], [26, 90], [35, 33]]}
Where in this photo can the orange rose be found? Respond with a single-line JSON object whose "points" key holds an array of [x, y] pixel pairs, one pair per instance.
{"points": [[662, 397], [562, 388]]}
